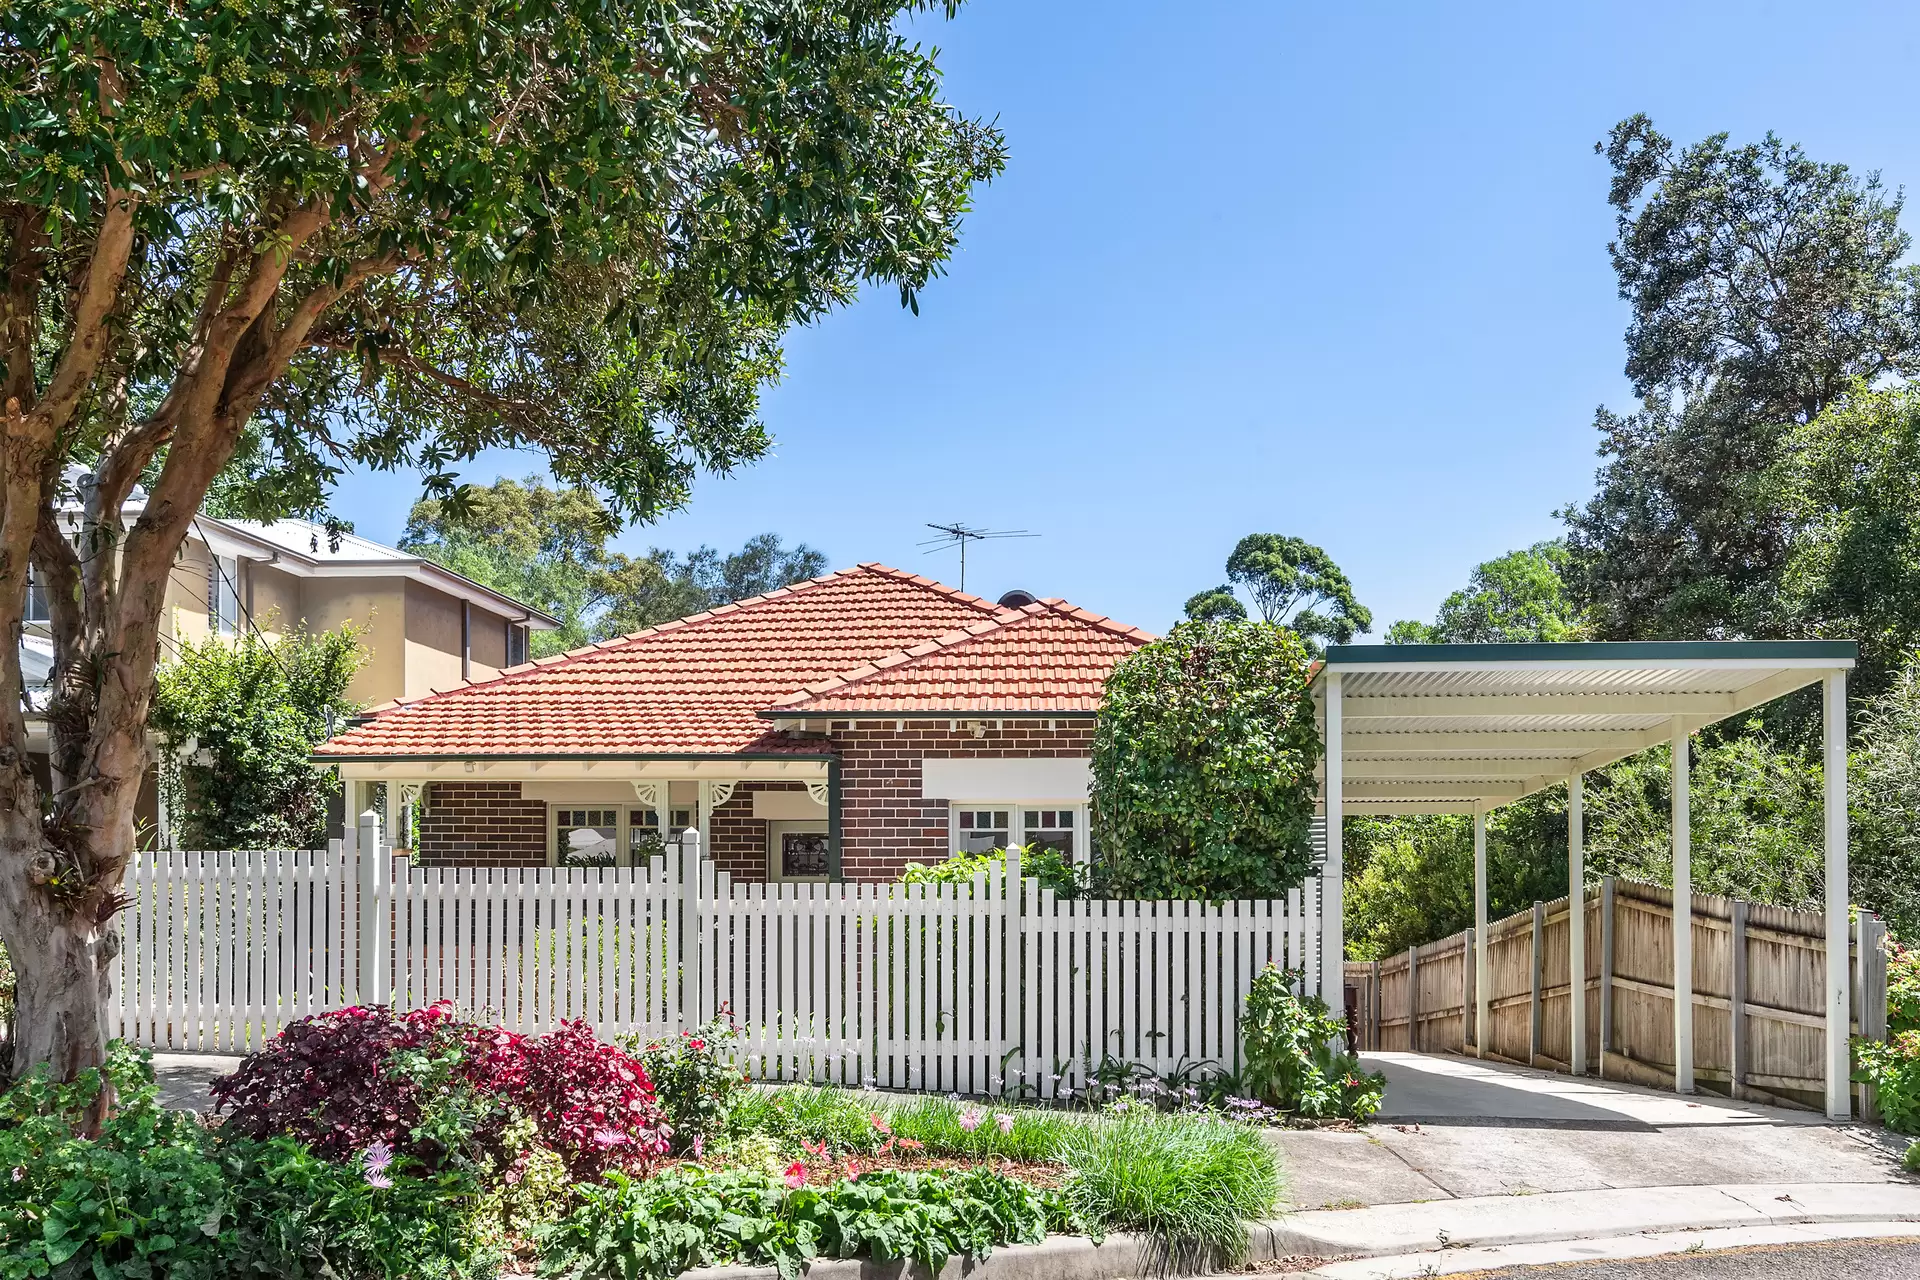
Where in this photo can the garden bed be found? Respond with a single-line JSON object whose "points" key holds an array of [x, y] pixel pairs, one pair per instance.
{"points": [[366, 1143]]}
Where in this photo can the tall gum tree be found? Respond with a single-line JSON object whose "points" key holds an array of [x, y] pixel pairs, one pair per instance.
{"points": [[264, 240]]}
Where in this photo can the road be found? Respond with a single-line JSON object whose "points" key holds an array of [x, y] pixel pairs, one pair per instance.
{"points": [[1833, 1260]]}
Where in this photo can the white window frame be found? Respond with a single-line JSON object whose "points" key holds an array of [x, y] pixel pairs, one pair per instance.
{"points": [[1016, 821], [223, 589], [624, 808], [777, 827]]}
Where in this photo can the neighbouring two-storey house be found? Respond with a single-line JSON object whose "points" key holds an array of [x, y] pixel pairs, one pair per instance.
{"points": [[423, 627], [835, 729]]}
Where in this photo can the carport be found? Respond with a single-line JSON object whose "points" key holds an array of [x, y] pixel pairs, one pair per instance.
{"points": [[1467, 728]]}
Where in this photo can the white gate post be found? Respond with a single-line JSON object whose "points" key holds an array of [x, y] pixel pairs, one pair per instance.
{"points": [[1012, 995], [1839, 1010], [693, 984], [373, 910], [1333, 942]]}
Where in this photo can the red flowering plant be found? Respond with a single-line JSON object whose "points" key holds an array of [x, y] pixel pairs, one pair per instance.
{"points": [[427, 1085], [697, 1080]]}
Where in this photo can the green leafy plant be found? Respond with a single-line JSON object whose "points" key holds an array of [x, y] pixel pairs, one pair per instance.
{"points": [[793, 1115], [1290, 1059], [1050, 867], [1190, 1182], [689, 1217], [695, 1080], [1893, 1069], [1203, 765], [1911, 1160], [239, 721]]}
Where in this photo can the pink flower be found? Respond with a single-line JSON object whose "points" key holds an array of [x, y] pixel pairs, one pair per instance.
{"points": [[699, 1146], [880, 1124], [378, 1180], [696, 1044], [796, 1175], [606, 1136], [971, 1117], [817, 1149], [1005, 1122]]}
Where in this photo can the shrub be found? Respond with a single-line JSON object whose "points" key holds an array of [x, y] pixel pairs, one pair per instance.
{"points": [[1190, 1182], [1048, 866], [1894, 1071], [1903, 987], [1911, 1161], [688, 1217], [1203, 765], [144, 1197], [156, 1194], [1290, 1059], [695, 1080], [429, 1085]]}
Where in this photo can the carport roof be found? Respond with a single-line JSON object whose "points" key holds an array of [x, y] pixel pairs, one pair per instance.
{"points": [[1454, 728]]}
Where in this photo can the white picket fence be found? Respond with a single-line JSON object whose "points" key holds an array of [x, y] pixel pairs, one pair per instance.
{"points": [[983, 987]]}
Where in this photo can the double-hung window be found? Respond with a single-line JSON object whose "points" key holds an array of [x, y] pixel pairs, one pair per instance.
{"points": [[223, 595]]}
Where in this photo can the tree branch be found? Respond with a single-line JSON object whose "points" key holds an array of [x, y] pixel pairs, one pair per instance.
{"points": [[98, 295]]}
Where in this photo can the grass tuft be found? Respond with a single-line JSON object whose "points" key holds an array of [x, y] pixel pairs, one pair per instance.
{"points": [[1191, 1183], [1036, 1135]]}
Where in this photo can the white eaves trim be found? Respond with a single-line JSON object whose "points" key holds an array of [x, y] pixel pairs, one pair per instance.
{"points": [[1015, 780]]}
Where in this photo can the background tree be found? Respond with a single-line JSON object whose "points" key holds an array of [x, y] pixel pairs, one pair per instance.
{"points": [[1762, 285], [1217, 604], [295, 235], [549, 548], [1203, 765], [1294, 584], [1884, 793], [1518, 598], [238, 722]]}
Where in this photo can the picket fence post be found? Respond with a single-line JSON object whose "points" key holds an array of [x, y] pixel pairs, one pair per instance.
{"points": [[373, 916], [1011, 992], [693, 984]]}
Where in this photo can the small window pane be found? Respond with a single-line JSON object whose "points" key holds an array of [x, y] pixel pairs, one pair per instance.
{"points": [[643, 834], [586, 837], [1048, 829], [982, 830], [803, 855]]}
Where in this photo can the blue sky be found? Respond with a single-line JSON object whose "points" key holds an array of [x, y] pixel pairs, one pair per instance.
{"points": [[1337, 271]]}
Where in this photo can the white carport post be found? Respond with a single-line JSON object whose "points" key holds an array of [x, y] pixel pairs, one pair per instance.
{"points": [[1683, 912], [1577, 924], [1333, 941], [1481, 996], [1839, 969]]}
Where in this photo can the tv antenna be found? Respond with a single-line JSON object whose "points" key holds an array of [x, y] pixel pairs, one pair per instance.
{"points": [[959, 535]]}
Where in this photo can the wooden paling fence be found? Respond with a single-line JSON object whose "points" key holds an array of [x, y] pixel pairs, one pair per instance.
{"points": [[987, 986], [1759, 974]]}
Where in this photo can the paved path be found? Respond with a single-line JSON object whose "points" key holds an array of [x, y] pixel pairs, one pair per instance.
{"points": [[183, 1077], [1833, 1260], [1454, 1127]]}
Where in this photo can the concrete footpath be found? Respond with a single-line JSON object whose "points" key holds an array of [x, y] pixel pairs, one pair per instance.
{"points": [[1455, 1128]]}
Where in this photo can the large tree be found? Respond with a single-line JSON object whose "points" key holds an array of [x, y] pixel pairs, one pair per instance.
{"points": [[1517, 598], [1762, 284], [295, 235], [549, 547], [1293, 583]]}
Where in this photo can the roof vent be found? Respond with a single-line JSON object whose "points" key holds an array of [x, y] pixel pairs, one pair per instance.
{"points": [[1017, 599]]}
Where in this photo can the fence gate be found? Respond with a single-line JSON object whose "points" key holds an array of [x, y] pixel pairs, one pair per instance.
{"points": [[987, 986]]}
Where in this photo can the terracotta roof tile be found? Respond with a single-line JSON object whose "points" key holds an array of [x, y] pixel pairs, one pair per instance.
{"points": [[692, 686], [1049, 656]]}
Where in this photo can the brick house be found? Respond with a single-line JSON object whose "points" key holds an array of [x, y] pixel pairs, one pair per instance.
{"points": [[836, 729]]}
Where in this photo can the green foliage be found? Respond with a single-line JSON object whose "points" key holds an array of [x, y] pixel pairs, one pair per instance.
{"points": [[1203, 765], [573, 227], [1216, 604], [1903, 987], [793, 1115], [1893, 1069], [1762, 285], [154, 1193], [1850, 480], [947, 1127], [1297, 585], [1517, 599], [1190, 1182], [1911, 1160], [688, 1217], [256, 709], [1291, 1062], [1048, 866], [695, 1080], [549, 547]]}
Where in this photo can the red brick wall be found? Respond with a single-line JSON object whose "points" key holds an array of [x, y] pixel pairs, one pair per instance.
{"points": [[736, 840], [482, 824], [885, 822]]}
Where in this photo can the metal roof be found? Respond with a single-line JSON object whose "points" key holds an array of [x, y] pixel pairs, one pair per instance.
{"points": [[1448, 728]]}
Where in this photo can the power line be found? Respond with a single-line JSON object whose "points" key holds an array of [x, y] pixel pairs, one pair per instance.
{"points": [[959, 535]]}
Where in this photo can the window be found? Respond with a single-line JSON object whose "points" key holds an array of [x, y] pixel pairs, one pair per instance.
{"points": [[978, 830], [516, 644], [1048, 829], [37, 610], [586, 837], [643, 836], [223, 595], [799, 855]]}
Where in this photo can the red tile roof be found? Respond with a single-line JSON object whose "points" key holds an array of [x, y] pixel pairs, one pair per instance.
{"points": [[1048, 656], [691, 687]]}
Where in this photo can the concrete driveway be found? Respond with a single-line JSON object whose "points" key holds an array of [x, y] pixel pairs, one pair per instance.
{"points": [[1454, 1127]]}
